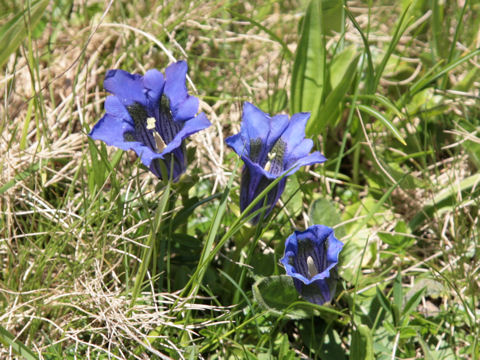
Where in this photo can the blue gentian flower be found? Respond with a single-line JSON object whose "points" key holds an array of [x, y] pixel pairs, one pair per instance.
{"points": [[310, 259], [152, 115], [270, 147]]}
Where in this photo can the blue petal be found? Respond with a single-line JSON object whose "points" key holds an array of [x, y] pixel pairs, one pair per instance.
{"points": [[334, 248], [321, 237], [127, 87], [258, 168], [253, 183], [255, 123], [182, 105], [153, 83], [314, 158], [114, 124], [278, 125], [145, 154], [192, 126], [186, 110], [111, 127], [295, 132], [300, 151], [238, 144], [318, 292], [179, 164], [317, 235]]}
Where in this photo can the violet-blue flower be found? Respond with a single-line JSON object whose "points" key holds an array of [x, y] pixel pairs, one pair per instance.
{"points": [[310, 259], [151, 115], [270, 147]]}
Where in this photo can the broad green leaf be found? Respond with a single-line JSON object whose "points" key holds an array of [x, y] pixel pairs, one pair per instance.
{"points": [[308, 75], [323, 212], [332, 15], [413, 302], [362, 344], [339, 67], [342, 72], [351, 261], [278, 295], [14, 31], [398, 241]]}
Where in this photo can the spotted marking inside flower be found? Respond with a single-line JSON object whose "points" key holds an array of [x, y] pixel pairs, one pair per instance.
{"points": [[255, 149], [167, 127], [146, 128], [274, 164]]}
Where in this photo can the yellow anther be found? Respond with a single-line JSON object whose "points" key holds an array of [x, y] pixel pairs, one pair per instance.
{"points": [[268, 165], [312, 269], [159, 143], [151, 123]]}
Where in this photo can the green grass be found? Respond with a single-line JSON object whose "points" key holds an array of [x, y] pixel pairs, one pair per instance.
{"points": [[100, 260]]}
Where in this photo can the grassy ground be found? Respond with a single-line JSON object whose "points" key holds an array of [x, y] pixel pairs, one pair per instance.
{"points": [[101, 261]]}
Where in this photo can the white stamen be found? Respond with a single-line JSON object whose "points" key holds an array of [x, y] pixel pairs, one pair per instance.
{"points": [[268, 165], [312, 269], [151, 123], [159, 143]]}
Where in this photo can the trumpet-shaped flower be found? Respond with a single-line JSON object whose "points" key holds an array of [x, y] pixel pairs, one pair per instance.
{"points": [[151, 115], [270, 147], [310, 259]]}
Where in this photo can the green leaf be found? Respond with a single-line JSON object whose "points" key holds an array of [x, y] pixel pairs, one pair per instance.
{"points": [[447, 199], [7, 339], [426, 81], [14, 32], [386, 304], [323, 212], [275, 103], [383, 120], [413, 302], [385, 102], [308, 75], [399, 30], [398, 242], [351, 260], [19, 177], [397, 291], [292, 197], [341, 64], [278, 295], [362, 344], [342, 71]]}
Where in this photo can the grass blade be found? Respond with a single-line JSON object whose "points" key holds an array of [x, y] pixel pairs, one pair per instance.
{"points": [[8, 340], [14, 31], [370, 111]]}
